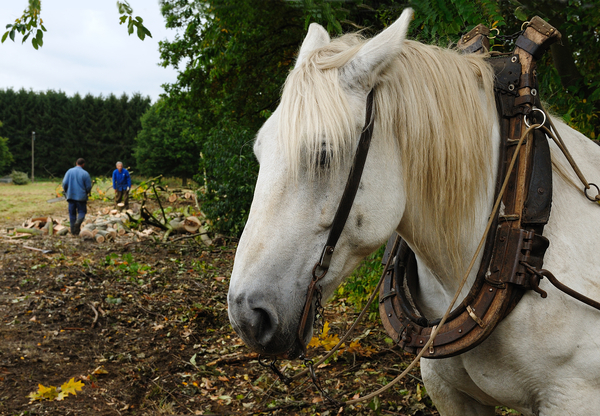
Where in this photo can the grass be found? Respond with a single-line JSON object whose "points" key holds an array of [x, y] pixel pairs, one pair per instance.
{"points": [[19, 202]]}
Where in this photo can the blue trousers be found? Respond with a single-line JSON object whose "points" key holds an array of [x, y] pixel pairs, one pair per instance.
{"points": [[77, 211]]}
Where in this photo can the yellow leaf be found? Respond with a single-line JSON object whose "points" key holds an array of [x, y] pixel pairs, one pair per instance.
{"points": [[49, 392], [71, 387], [100, 370], [33, 396], [314, 342]]}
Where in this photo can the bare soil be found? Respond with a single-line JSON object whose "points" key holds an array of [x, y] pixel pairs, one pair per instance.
{"points": [[162, 335]]}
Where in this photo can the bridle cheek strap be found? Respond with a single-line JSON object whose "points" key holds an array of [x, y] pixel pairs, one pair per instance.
{"points": [[341, 216]]}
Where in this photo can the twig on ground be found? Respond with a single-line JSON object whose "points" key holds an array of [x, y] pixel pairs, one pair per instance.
{"points": [[235, 358], [184, 237], [95, 312]]}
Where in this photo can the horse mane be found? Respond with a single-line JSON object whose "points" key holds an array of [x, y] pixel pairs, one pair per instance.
{"points": [[433, 105]]}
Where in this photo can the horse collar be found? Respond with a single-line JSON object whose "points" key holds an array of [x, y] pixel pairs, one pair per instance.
{"points": [[514, 248]]}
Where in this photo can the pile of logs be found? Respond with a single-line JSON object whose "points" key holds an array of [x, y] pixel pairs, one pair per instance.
{"points": [[42, 226], [104, 229]]}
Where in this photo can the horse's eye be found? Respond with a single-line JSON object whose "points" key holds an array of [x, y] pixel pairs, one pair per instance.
{"points": [[324, 158]]}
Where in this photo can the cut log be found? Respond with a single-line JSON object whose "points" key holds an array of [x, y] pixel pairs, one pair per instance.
{"points": [[188, 195], [105, 210], [111, 234], [172, 198], [86, 234], [33, 231], [120, 228], [62, 231], [177, 225], [204, 236], [50, 225], [191, 224], [36, 224], [100, 236], [114, 211]]}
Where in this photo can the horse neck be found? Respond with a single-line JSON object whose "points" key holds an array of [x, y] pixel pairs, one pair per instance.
{"points": [[440, 272]]}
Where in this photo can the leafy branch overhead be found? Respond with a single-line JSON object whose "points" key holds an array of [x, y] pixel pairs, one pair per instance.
{"points": [[30, 24], [127, 16]]}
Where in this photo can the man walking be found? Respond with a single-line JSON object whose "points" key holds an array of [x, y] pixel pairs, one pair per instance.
{"points": [[121, 185], [77, 185]]}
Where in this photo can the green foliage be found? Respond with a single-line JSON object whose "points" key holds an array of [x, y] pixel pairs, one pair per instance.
{"points": [[229, 172], [6, 158], [444, 21], [568, 75], [27, 24], [233, 57], [99, 129], [19, 178], [358, 287], [126, 265], [127, 16], [30, 24], [167, 144]]}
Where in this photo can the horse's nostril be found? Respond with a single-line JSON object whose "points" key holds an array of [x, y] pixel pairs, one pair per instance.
{"points": [[263, 326]]}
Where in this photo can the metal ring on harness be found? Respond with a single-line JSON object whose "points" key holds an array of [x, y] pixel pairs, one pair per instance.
{"points": [[597, 197], [532, 110]]}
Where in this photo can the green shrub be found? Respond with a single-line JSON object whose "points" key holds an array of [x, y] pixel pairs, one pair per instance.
{"points": [[361, 283], [19, 178]]}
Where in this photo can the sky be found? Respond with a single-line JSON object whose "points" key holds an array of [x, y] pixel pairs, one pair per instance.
{"points": [[86, 50]]}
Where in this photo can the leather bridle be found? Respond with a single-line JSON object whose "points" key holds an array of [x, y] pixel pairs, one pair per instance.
{"points": [[339, 220]]}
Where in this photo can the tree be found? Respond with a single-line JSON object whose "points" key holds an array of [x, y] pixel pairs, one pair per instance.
{"points": [[101, 130], [233, 57], [569, 76], [30, 24], [167, 144], [6, 157]]}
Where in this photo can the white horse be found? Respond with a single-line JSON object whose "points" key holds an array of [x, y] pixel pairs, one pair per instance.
{"points": [[429, 176]]}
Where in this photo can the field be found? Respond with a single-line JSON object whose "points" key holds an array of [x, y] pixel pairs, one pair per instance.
{"points": [[142, 329]]}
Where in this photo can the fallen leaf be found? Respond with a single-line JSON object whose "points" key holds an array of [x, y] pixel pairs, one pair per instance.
{"points": [[100, 370], [71, 387]]}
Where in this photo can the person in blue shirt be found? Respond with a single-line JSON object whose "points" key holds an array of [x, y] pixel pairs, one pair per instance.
{"points": [[121, 184], [77, 185]]}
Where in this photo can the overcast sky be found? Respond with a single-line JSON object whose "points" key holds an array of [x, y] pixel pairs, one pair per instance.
{"points": [[86, 50]]}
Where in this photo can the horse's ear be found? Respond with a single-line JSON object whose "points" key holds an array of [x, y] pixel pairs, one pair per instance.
{"points": [[316, 37], [380, 50]]}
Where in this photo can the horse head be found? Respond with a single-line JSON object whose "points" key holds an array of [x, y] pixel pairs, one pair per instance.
{"points": [[305, 152]]}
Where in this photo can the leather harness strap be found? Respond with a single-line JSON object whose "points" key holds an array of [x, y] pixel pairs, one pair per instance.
{"points": [[515, 239], [341, 216]]}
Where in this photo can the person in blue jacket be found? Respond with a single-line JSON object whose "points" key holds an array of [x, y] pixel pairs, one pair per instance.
{"points": [[121, 185], [77, 185]]}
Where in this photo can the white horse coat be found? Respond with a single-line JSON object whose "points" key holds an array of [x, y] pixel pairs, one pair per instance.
{"points": [[429, 176]]}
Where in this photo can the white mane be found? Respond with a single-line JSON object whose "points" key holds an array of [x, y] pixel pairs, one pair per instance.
{"points": [[436, 103]]}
